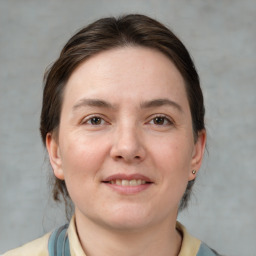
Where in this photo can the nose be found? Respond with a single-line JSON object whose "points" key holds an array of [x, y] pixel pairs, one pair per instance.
{"points": [[128, 144]]}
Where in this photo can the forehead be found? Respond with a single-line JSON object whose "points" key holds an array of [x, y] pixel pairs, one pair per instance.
{"points": [[126, 71]]}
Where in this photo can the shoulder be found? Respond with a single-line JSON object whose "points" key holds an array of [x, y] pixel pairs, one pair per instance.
{"points": [[192, 246], [38, 247]]}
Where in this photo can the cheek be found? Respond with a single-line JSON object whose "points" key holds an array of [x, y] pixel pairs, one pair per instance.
{"points": [[173, 154], [172, 160], [81, 157], [81, 163]]}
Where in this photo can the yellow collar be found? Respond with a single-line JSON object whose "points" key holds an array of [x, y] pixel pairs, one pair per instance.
{"points": [[190, 245]]}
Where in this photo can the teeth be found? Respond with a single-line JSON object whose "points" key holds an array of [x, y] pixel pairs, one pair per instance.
{"points": [[132, 182], [125, 183], [118, 182], [128, 182]]}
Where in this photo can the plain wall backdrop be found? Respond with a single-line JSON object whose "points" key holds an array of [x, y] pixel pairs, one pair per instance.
{"points": [[221, 37]]}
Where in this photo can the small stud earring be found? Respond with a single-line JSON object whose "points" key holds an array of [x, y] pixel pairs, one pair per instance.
{"points": [[194, 171]]}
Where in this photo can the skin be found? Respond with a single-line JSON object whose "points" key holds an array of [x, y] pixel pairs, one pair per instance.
{"points": [[125, 112]]}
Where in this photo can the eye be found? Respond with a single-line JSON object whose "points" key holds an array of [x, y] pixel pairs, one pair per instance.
{"points": [[94, 120], [161, 120]]}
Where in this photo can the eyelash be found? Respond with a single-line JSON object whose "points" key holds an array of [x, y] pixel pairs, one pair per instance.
{"points": [[89, 120], [166, 120]]}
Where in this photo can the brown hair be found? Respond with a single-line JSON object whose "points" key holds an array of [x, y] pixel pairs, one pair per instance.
{"points": [[105, 34]]}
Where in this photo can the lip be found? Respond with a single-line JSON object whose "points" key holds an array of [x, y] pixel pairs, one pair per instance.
{"points": [[120, 176], [128, 190]]}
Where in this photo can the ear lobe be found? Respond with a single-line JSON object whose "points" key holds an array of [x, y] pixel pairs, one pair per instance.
{"points": [[54, 156], [198, 154]]}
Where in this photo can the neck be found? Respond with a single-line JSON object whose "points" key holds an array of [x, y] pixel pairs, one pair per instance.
{"points": [[162, 239]]}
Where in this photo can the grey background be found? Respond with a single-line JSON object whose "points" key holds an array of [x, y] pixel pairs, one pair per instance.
{"points": [[221, 37]]}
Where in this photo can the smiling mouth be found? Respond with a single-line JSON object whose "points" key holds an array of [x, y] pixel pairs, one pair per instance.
{"points": [[124, 183]]}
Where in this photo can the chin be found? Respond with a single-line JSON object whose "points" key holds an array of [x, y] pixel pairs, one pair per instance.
{"points": [[128, 219], [127, 224]]}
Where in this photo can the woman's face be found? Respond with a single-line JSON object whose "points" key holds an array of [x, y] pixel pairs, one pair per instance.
{"points": [[125, 146]]}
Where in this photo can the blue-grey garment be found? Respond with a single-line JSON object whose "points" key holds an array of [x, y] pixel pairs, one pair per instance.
{"points": [[204, 250], [58, 244]]}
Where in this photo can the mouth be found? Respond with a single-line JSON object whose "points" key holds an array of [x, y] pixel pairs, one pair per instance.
{"points": [[128, 184], [124, 182]]}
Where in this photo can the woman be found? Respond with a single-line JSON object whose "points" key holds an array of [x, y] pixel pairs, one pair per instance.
{"points": [[123, 122]]}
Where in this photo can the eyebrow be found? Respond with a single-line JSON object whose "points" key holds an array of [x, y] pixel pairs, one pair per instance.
{"points": [[161, 102], [92, 103], [147, 104]]}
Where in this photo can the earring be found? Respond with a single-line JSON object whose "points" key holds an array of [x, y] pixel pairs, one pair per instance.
{"points": [[194, 171]]}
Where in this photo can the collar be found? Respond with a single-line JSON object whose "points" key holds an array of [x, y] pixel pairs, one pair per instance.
{"points": [[189, 247]]}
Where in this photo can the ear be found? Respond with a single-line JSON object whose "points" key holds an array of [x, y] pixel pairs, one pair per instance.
{"points": [[54, 155], [198, 154]]}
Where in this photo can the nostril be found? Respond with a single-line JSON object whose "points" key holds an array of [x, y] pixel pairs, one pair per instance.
{"points": [[121, 157]]}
